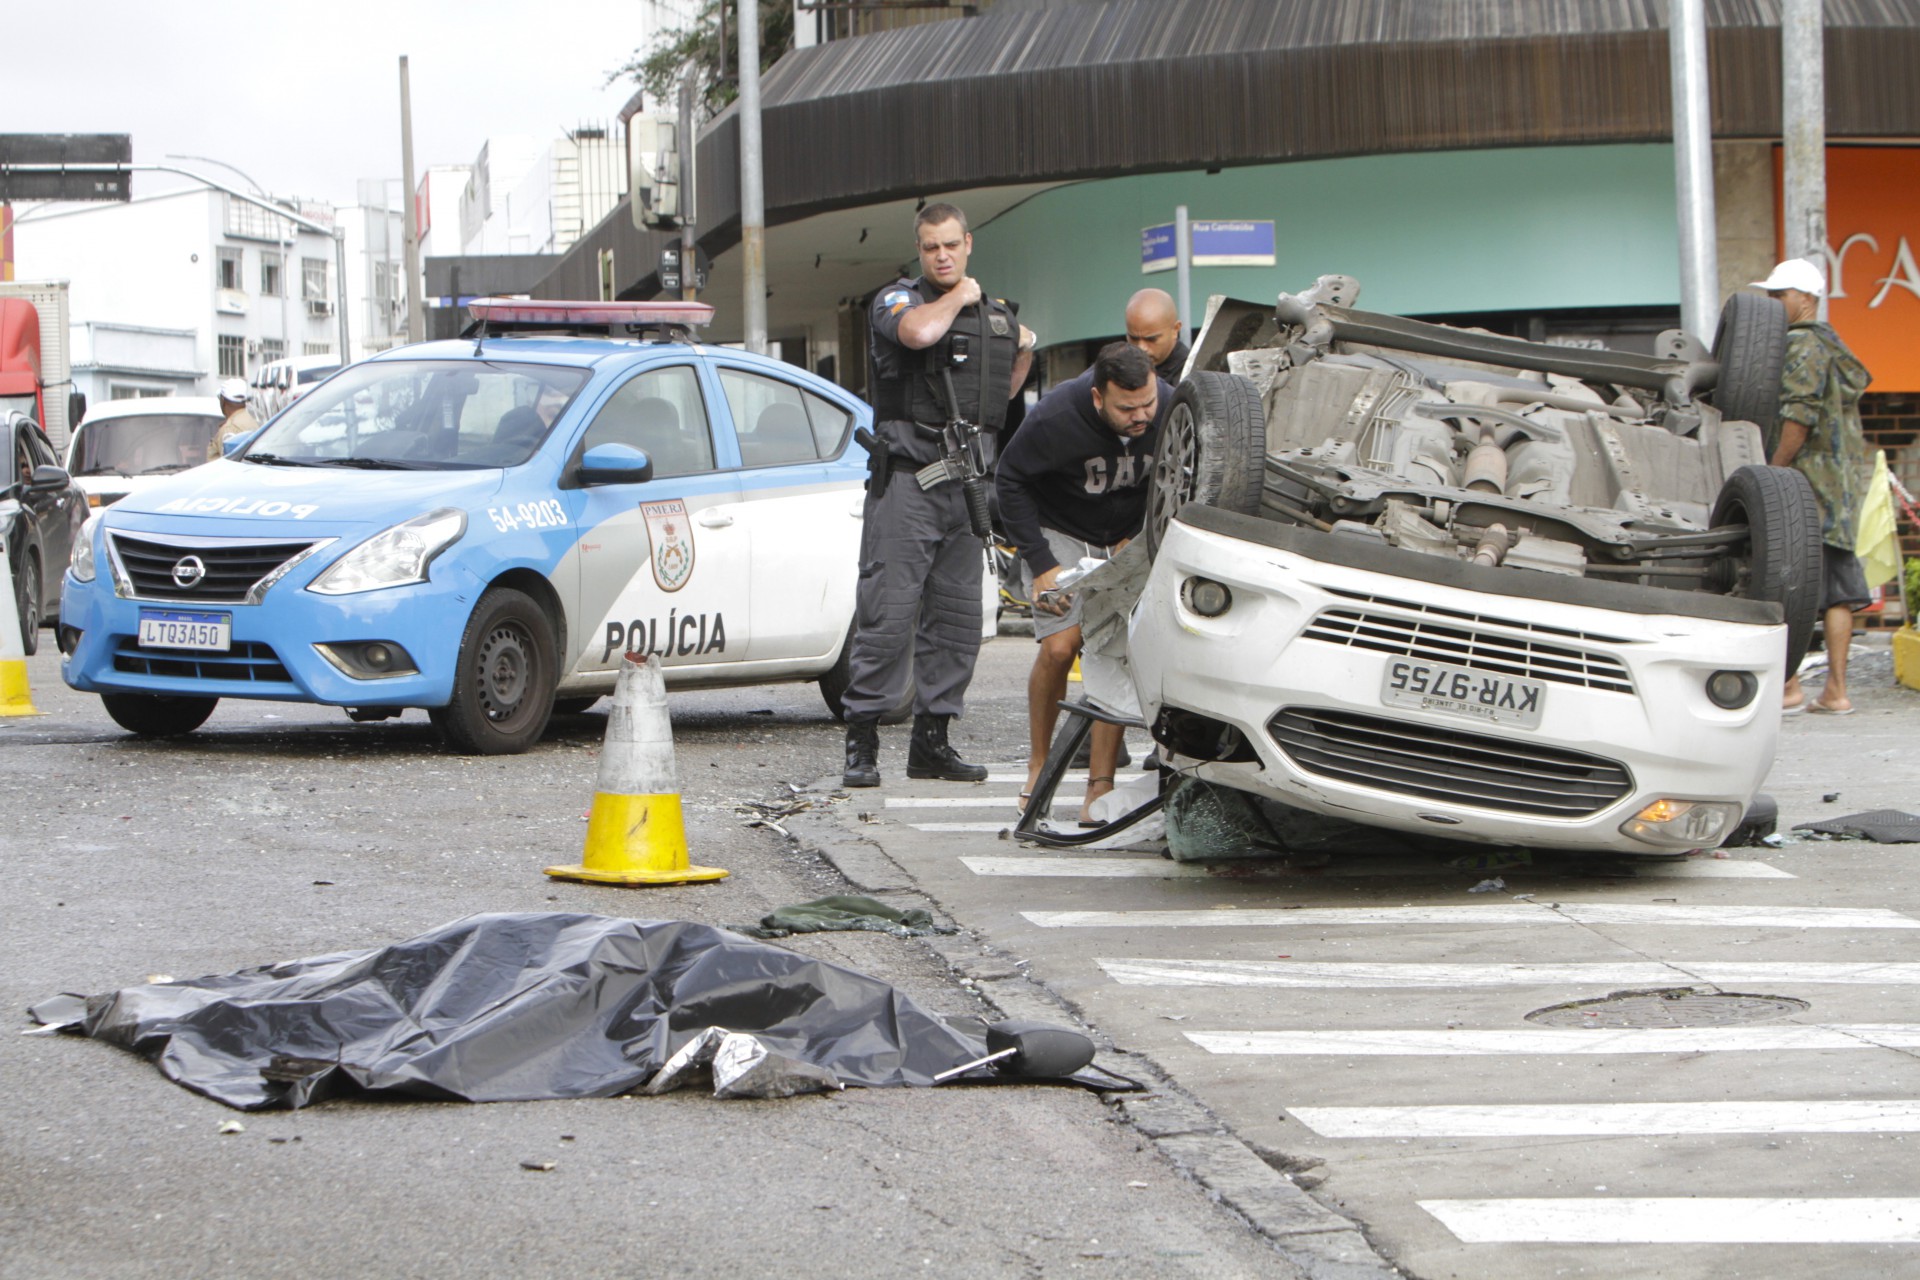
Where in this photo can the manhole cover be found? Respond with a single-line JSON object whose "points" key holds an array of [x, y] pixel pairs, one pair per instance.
{"points": [[1668, 1007]]}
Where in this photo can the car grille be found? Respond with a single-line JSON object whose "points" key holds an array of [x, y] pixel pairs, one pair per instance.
{"points": [[232, 570], [248, 662], [1419, 760], [1446, 635]]}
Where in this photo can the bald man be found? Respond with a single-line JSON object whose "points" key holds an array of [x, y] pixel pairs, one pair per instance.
{"points": [[1153, 325]]}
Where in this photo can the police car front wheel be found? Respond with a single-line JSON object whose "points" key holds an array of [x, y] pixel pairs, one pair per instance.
{"points": [[153, 715], [504, 682]]}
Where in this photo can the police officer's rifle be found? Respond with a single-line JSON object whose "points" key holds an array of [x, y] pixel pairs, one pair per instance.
{"points": [[963, 457]]}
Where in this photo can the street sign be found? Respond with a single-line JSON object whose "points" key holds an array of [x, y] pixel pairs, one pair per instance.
{"points": [[670, 268], [33, 166], [1216, 243]]}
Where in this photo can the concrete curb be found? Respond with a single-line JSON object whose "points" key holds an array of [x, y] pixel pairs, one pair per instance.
{"points": [[1321, 1243]]}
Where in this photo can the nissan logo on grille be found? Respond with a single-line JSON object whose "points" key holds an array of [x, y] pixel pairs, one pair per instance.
{"points": [[187, 572]]}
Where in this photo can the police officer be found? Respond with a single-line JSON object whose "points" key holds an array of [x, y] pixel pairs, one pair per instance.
{"points": [[918, 599]]}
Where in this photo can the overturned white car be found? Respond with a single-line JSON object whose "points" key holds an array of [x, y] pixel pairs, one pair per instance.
{"points": [[1443, 582]]}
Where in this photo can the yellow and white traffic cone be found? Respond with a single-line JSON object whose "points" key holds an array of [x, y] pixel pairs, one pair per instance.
{"points": [[15, 698], [635, 834]]}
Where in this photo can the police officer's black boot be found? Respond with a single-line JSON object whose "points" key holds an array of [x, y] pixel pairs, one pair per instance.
{"points": [[863, 754], [930, 755]]}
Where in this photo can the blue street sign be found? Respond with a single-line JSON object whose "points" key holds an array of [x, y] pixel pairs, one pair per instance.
{"points": [[1216, 243], [1157, 252]]}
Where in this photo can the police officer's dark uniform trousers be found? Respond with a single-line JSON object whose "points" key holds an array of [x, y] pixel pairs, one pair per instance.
{"points": [[920, 563]]}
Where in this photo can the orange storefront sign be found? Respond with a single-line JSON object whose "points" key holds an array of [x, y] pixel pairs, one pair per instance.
{"points": [[1873, 258]]}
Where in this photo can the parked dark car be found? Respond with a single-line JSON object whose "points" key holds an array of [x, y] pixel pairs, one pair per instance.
{"points": [[41, 511]]}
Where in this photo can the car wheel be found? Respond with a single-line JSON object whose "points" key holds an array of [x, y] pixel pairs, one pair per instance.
{"points": [[833, 684], [27, 600], [1782, 561], [573, 706], [503, 679], [1212, 449], [1751, 345], [153, 715]]}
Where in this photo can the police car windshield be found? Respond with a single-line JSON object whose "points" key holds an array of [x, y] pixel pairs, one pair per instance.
{"points": [[426, 415]]}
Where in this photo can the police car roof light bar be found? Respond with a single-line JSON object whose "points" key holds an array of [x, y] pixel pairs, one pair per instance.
{"points": [[497, 316]]}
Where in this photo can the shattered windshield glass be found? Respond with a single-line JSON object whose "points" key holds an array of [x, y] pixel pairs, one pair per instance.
{"points": [[420, 415]]}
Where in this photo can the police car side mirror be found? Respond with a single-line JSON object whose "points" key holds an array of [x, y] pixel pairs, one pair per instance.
{"points": [[615, 464]]}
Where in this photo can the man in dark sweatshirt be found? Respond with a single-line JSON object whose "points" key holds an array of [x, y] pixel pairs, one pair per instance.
{"points": [[1073, 484]]}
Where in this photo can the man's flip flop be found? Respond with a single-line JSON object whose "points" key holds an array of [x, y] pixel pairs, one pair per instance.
{"points": [[1821, 709], [1798, 708]]}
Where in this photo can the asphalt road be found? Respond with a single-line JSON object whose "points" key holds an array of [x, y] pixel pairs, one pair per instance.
{"points": [[1365, 1022], [281, 831]]}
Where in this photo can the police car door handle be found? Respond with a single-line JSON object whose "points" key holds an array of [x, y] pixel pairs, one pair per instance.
{"points": [[712, 519]]}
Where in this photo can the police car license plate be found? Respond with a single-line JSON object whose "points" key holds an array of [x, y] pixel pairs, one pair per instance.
{"points": [[181, 629], [1472, 695]]}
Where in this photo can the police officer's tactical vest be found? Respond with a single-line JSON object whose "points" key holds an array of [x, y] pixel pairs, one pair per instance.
{"points": [[907, 384]]}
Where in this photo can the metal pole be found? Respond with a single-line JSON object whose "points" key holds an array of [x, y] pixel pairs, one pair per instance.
{"points": [[688, 251], [1803, 131], [416, 317], [753, 205], [1693, 166], [1183, 269], [340, 292]]}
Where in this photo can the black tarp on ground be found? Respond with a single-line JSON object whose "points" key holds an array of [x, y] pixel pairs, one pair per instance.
{"points": [[511, 1007]]}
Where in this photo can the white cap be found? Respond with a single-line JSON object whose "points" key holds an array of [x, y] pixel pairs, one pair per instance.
{"points": [[1795, 273], [234, 391]]}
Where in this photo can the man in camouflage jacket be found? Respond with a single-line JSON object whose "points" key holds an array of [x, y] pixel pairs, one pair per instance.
{"points": [[1819, 435]]}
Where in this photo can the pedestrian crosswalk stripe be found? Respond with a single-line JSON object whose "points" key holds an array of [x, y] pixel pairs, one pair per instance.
{"points": [[1613, 1119], [1554, 1042], [965, 826], [1682, 1220], [1307, 973], [1151, 866], [1009, 803], [1104, 868], [1589, 913]]}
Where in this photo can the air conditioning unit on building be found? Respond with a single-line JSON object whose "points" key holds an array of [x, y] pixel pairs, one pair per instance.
{"points": [[319, 307], [253, 348]]}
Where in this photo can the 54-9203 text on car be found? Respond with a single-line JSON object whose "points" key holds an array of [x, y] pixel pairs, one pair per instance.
{"points": [[1448, 583]]}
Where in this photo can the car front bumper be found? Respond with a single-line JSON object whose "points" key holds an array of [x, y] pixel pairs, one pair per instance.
{"points": [[1298, 665], [275, 653]]}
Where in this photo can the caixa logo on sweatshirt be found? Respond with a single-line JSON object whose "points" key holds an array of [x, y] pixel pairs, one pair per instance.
{"points": [[1129, 471]]}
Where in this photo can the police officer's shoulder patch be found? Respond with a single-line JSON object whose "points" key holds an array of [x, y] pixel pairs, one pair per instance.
{"points": [[896, 300], [998, 323]]}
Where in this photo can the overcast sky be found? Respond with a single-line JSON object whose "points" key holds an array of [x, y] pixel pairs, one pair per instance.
{"points": [[305, 98]]}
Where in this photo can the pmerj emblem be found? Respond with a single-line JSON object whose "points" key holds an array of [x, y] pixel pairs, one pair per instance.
{"points": [[670, 535]]}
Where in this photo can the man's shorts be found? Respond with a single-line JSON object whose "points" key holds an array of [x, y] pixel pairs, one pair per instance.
{"points": [[1842, 581], [1069, 551]]}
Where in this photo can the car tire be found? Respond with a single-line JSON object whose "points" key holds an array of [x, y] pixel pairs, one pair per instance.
{"points": [[834, 681], [574, 706], [1212, 450], [156, 715], [1751, 345], [28, 600], [1783, 559], [503, 679]]}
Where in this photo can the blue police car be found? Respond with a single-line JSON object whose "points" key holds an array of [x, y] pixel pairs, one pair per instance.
{"points": [[483, 528]]}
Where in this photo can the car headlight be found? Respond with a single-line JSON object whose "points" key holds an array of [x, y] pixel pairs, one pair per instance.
{"points": [[80, 562], [1683, 824], [396, 557]]}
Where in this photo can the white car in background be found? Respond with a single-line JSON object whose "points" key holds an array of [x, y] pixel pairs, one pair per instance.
{"points": [[124, 446], [279, 383]]}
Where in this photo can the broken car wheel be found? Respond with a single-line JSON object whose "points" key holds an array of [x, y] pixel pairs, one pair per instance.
{"points": [[1212, 450], [1782, 561]]}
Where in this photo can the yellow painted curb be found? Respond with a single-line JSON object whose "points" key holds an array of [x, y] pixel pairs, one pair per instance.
{"points": [[1906, 657]]}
